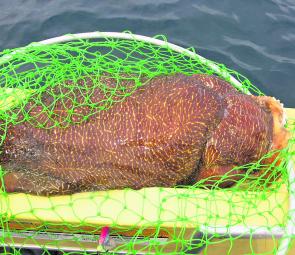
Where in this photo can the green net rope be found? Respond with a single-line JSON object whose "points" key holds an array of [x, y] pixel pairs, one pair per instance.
{"points": [[149, 221]]}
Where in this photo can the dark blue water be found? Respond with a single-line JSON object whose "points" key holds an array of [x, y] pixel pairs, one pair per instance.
{"points": [[254, 37]]}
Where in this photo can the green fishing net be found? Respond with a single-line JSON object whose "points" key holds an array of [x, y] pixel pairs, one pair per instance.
{"points": [[181, 220]]}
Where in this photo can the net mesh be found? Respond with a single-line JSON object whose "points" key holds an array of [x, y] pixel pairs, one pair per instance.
{"points": [[184, 220]]}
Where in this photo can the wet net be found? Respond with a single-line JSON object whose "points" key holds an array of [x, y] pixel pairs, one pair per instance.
{"points": [[60, 85]]}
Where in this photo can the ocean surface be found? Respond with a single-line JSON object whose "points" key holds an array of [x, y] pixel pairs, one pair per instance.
{"points": [[255, 38]]}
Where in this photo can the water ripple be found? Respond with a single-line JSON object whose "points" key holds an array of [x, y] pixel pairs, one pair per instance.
{"points": [[289, 37], [260, 49], [214, 12]]}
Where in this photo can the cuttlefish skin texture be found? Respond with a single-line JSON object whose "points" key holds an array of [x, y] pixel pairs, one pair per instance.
{"points": [[174, 130]]}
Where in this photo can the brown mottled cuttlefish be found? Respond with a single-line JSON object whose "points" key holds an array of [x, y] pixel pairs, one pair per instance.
{"points": [[173, 130]]}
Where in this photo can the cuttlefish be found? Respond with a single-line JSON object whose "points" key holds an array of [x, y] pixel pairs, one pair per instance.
{"points": [[174, 130]]}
